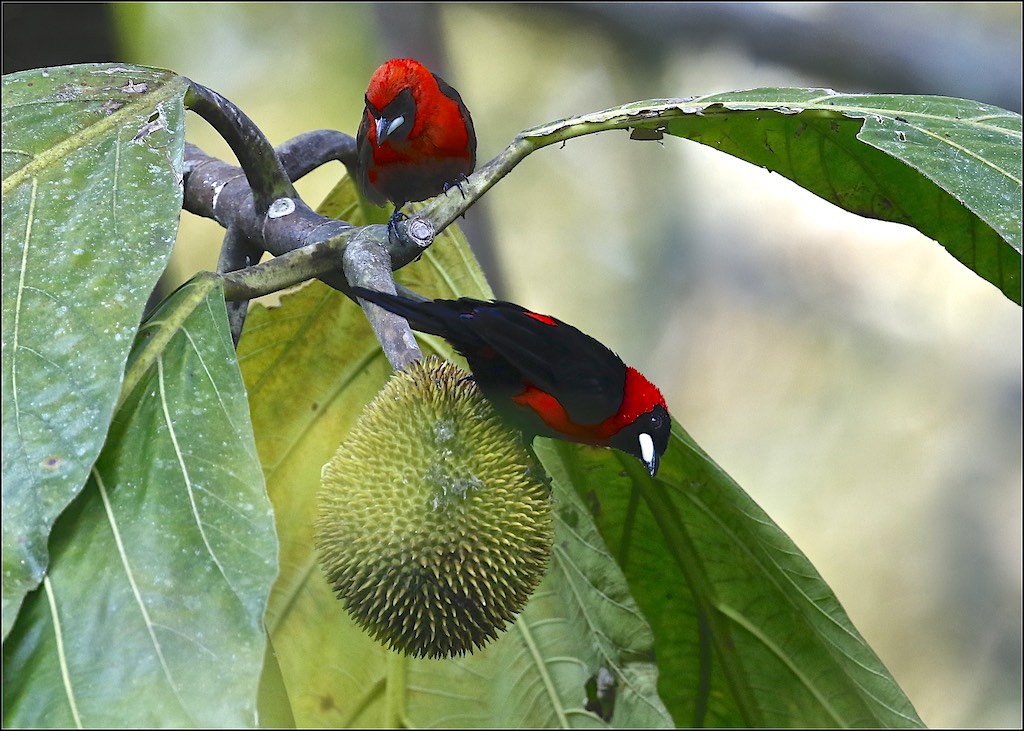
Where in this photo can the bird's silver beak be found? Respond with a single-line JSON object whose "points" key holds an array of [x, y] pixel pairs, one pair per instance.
{"points": [[648, 454]]}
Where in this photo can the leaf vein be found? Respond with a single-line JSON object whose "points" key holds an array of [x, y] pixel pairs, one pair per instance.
{"points": [[17, 310], [61, 656], [184, 471], [150, 627], [542, 671]]}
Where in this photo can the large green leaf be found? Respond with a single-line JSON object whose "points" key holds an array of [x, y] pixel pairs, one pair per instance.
{"points": [[950, 168], [92, 164], [748, 634], [580, 625], [152, 609]]}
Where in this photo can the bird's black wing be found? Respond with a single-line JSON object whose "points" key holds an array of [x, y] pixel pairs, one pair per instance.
{"points": [[586, 377], [454, 95]]}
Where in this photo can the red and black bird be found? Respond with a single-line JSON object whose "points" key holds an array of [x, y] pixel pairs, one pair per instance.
{"points": [[543, 376], [416, 137]]}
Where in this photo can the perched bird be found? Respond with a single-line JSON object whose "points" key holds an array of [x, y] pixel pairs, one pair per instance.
{"points": [[544, 376], [416, 138]]}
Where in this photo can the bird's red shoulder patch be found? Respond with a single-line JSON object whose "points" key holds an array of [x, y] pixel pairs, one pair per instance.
{"points": [[542, 318]]}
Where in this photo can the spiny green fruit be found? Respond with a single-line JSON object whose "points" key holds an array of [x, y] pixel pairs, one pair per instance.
{"points": [[434, 523]]}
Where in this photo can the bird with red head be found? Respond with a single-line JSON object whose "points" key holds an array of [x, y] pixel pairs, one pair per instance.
{"points": [[416, 137]]}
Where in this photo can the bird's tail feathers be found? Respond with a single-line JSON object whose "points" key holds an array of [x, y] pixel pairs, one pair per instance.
{"points": [[420, 318]]}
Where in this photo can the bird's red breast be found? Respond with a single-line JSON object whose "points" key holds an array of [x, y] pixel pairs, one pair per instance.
{"points": [[638, 396], [416, 137]]}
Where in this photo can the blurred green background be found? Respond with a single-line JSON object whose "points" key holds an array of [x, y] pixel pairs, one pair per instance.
{"points": [[858, 382]]}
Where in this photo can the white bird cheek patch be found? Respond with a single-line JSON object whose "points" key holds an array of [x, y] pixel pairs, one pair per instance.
{"points": [[395, 124], [646, 447]]}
